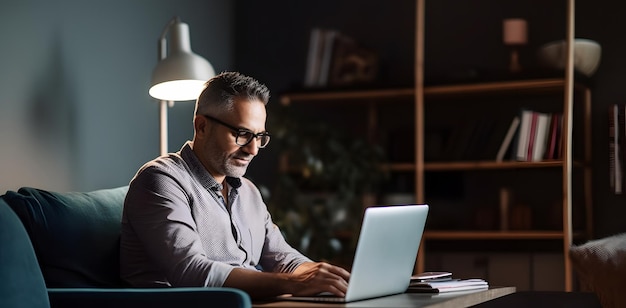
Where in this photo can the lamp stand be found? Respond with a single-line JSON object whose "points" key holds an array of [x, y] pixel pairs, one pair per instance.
{"points": [[163, 105]]}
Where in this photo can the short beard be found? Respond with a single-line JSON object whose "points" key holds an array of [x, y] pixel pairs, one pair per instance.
{"points": [[228, 169]]}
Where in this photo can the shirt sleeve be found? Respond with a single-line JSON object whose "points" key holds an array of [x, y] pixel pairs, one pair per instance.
{"points": [[278, 255], [157, 210]]}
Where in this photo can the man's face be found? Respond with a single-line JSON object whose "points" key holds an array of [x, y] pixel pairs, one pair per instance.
{"points": [[216, 147]]}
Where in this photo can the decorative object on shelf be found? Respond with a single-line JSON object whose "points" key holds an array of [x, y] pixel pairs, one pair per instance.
{"points": [[514, 34], [352, 64], [520, 217], [587, 54], [179, 76], [337, 60], [505, 205]]}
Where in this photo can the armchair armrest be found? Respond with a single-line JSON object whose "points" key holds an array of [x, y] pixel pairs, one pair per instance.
{"points": [[148, 297]]}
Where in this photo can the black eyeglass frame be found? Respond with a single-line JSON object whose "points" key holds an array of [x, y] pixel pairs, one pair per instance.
{"points": [[242, 132]]}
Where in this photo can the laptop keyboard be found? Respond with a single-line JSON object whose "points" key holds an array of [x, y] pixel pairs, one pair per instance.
{"points": [[328, 298]]}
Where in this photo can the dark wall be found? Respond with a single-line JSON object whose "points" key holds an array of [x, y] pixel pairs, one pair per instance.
{"points": [[75, 114], [462, 38]]}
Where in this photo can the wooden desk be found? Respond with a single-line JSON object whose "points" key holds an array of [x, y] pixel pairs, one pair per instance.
{"points": [[443, 300]]}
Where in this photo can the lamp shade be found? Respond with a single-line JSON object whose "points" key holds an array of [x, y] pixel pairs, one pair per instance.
{"points": [[181, 75]]}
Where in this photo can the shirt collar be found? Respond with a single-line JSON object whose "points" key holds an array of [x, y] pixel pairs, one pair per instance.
{"points": [[200, 173]]}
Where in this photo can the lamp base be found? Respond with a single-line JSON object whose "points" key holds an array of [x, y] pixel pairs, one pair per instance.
{"points": [[515, 66]]}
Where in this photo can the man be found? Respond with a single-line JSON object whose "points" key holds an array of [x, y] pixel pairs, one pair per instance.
{"points": [[191, 219]]}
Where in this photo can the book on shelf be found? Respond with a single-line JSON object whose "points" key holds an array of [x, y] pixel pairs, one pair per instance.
{"points": [[616, 143], [554, 136], [498, 130], [521, 152], [558, 136], [436, 138], [508, 138], [532, 134], [327, 56], [461, 138], [313, 58], [621, 145], [479, 139], [539, 136]]}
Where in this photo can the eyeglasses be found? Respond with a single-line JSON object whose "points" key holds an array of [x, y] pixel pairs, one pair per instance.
{"points": [[244, 136]]}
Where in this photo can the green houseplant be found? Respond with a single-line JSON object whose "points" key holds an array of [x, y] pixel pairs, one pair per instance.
{"points": [[325, 172]]}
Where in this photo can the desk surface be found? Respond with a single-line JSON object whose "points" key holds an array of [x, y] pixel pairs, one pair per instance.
{"points": [[443, 300]]}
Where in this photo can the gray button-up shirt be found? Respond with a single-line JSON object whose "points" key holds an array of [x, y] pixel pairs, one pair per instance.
{"points": [[177, 230]]}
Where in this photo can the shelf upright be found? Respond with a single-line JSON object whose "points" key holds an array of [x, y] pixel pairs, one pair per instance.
{"points": [[419, 118], [568, 106]]}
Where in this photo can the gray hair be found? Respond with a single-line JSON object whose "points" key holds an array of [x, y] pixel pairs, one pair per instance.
{"points": [[220, 93]]}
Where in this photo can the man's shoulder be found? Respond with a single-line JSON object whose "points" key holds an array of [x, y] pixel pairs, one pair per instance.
{"points": [[171, 161], [165, 166]]}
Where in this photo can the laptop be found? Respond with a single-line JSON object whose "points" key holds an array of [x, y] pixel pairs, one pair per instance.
{"points": [[385, 254]]}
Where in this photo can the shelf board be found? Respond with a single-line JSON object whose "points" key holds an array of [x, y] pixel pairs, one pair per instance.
{"points": [[287, 99], [494, 235], [534, 85], [531, 85], [475, 165], [399, 167]]}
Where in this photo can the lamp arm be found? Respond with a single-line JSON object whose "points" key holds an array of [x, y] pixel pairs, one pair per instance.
{"points": [[162, 44]]}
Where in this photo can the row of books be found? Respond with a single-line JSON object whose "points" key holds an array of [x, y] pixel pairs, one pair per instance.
{"points": [[617, 146], [337, 60], [469, 138], [533, 136], [529, 136]]}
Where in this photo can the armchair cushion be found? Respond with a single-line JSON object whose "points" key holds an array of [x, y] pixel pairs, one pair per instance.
{"points": [[149, 297], [601, 268], [75, 235], [22, 284]]}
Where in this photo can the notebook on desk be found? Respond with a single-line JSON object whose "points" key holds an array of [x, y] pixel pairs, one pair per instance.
{"points": [[385, 255]]}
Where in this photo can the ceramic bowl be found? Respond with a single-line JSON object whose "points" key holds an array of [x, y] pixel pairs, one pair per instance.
{"points": [[586, 55]]}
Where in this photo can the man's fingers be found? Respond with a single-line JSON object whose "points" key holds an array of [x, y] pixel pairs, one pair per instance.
{"points": [[345, 275], [324, 277]]}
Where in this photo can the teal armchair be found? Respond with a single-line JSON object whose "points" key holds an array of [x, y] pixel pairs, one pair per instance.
{"points": [[62, 250]]}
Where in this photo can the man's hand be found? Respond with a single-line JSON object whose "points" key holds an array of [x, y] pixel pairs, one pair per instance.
{"points": [[308, 279], [316, 277]]}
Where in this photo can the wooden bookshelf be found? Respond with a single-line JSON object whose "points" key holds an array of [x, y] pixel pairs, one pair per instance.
{"points": [[420, 95], [373, 99], [565, 85]]}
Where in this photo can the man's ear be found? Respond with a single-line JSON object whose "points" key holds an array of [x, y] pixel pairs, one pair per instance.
{"points": [[200, 125]]}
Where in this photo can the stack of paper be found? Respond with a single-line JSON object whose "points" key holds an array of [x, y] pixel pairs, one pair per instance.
{"points": [[451, 285]]}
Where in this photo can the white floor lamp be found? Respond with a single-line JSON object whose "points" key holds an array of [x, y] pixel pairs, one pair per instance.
{"points": [[179, 74]]}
